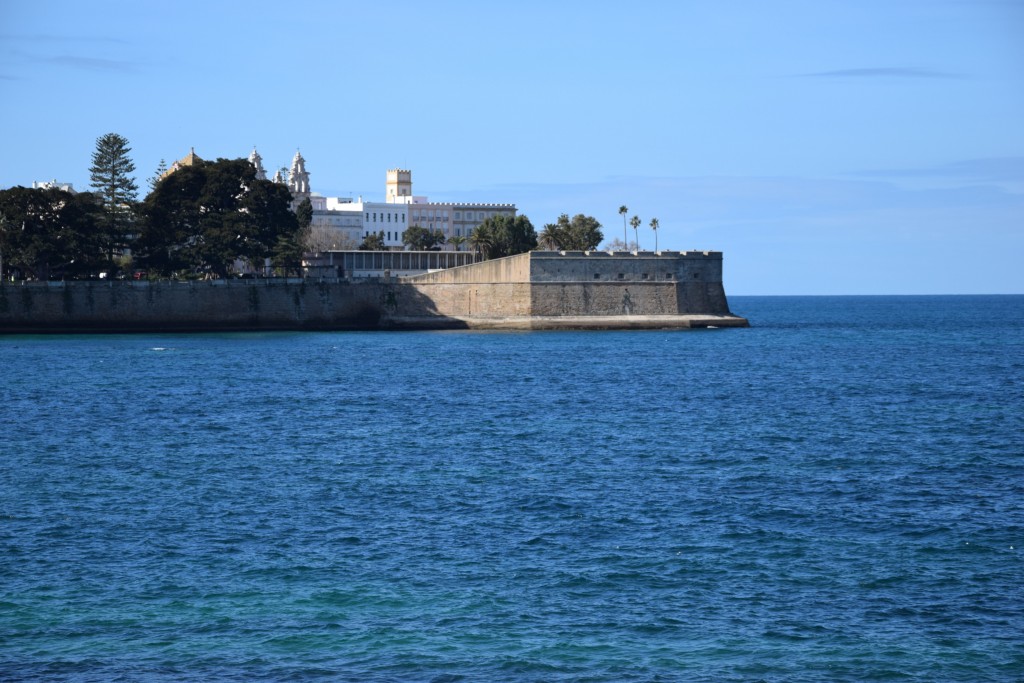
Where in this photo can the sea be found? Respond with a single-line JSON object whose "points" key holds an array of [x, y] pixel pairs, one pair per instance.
{"points": [[834, 494]]}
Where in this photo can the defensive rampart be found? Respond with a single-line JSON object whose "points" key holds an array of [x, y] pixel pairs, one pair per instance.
{"points": [[528, 291], [585, 289]]}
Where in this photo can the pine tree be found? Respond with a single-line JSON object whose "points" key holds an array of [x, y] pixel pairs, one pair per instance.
{"points": [[111, 178], [161, 170]]}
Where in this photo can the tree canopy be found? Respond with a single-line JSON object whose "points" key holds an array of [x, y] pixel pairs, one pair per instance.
{"points": [[111, 179], [581, 233], [373, 242], [504, 235], [422, 239], [304, 213], [205, 216], [158, 175], [50, 232]]}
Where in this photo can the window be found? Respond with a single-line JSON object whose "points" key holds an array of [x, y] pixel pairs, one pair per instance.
{"points": [[597, 276], [644, 276], [458, 215], [668, 276], [622, 276]]}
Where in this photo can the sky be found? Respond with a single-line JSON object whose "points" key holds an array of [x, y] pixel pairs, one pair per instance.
{"points": [[825, 146]]}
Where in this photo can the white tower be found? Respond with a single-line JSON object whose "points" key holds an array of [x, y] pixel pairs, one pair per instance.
{"points": [[298, 178], [257, 162]]}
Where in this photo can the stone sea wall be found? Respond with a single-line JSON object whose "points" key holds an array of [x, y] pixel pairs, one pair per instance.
{"points": [[513, 292], [581, 284], [188, 305]]}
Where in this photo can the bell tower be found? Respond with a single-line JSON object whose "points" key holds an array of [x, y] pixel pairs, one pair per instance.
{"points": [[298, 177], [399, 186], [257, 163]]}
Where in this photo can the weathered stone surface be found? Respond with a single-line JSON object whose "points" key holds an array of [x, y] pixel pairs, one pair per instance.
{"points": [[540, 290]]}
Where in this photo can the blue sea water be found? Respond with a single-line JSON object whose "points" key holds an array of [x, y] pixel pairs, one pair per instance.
{"points": [[835, 494]]}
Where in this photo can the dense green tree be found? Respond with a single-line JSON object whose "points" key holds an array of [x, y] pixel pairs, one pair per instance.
{"points": [[422, 239], [373, 242], [47, 233], [635, 222], [287, 253], [203, 217], [304, 213], [161, 169], [623, 210], [654, 227], [111, 178], [581, 233], [457, 241], [480, 241], [304, 219], [504, 235]]}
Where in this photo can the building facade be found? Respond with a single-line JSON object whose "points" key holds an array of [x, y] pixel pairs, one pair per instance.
{"points": [[53, 185], [341, 223], [455, 221]]}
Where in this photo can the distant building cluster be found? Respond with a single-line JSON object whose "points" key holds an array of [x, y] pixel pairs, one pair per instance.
{"points": [[341, 223], [53, 185]]}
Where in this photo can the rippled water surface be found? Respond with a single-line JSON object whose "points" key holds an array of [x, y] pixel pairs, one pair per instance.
{"points": [[834, 494]]}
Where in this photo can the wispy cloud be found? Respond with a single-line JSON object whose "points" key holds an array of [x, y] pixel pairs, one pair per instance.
{"points": [[992, 169], [44, 38], [90, 63], [884, 72], [789, 235]]}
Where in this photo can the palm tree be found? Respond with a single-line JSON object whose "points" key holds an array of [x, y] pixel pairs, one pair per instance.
{"points": [[654, 227], [635, 222], [623, 210], [480, 241], [457, 241]]}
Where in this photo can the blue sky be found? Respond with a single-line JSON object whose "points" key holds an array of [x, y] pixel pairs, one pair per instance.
{"points": [[826, 146]]}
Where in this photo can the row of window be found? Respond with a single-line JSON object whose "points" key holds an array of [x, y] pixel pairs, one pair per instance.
{"points": [[438, 215], [387, 235], [441, 216], [431, 215], [382, 215], [398, 235]]}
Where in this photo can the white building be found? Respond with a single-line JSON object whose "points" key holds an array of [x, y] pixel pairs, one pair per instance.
{"points": [[455, 219], [451, 219], [400, 210], [340, 223], [53, 185]]}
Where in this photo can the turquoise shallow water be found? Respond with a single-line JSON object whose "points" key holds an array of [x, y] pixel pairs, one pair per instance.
{"points": [[834, 494]]}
